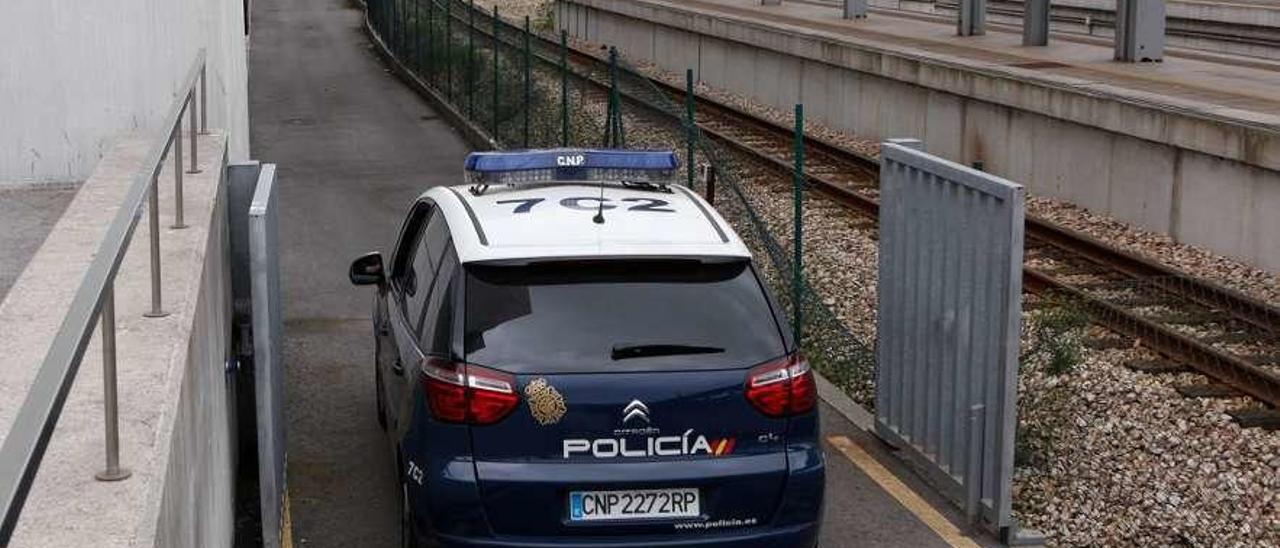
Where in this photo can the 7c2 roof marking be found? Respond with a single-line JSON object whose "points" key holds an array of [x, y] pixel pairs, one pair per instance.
{"points": [[575, 202]]}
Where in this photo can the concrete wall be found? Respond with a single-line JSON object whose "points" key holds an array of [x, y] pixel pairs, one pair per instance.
{"points": [[74, 74], [197, 507], [1160, 169], [175, 430]]}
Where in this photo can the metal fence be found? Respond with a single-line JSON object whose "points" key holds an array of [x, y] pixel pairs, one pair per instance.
{"points": [[950, 282], [94, 301]]}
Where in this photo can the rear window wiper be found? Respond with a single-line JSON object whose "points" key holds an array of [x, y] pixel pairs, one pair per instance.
{"points": [[648, 350]]}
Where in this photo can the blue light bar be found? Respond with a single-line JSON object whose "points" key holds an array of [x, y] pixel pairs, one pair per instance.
{"points": [[534, 166]]}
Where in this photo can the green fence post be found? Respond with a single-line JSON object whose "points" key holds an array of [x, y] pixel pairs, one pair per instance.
{"points": [[797, 265], [417, 26], [528, 80], [564, 88], [471, 61], [690, 124], [496, 30], [431, 41], [447, 49], [608, 113], [412, 36], [614, 137]]}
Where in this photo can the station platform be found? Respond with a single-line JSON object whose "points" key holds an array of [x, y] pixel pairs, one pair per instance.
{"points": [[354, 146], [1166, 146], [1232, 89]]}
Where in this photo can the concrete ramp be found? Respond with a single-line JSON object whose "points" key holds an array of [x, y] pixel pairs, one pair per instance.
{"points": [[176, 433]]}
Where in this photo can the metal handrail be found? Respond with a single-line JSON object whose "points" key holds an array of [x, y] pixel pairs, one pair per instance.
{"points": [[94, 301]]}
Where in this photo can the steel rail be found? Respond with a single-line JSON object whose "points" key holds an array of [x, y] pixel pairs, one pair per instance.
{"points": [[28, 437], [1226, 368]]}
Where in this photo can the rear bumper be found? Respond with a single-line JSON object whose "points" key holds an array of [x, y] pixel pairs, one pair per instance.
{"points": [[799, 536]]}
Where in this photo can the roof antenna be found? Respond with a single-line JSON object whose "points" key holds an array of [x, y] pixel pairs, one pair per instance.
{"points": [[599, 218]]}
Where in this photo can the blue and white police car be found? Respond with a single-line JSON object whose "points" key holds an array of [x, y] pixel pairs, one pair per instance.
{"points": [[571, 351]]}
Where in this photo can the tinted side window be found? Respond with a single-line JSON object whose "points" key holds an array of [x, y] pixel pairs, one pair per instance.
{"points": [[437, 323], [425, 266], [408, 243]]}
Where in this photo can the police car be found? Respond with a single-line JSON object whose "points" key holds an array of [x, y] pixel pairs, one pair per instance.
{"points": [[571, 351]]}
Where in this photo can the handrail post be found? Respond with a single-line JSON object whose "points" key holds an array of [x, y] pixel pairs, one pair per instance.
{"points": [[191, 104], [204, 100], [153, 214], [177, 174], [110, 401]]}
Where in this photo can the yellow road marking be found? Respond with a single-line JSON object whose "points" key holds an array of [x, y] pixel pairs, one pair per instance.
{"points": [[905, 496], [286, 524]]}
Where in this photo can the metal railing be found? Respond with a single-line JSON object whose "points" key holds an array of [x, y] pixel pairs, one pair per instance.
{"points": [[94, 301]]}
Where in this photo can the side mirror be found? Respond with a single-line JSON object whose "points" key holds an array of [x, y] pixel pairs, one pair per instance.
{"points": [[367, 270]]}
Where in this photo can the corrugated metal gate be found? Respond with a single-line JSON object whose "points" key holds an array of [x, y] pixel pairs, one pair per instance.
{"points": [[950, 281], [256, 284], [264, 269]]}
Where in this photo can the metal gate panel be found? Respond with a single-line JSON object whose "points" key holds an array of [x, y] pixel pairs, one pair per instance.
{"points": [[950, 282], [264, 271]]}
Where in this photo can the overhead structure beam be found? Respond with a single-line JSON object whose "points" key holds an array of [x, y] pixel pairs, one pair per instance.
{"points": [[1035, 23], [1140, 30], [855, 9], [972, 19]]}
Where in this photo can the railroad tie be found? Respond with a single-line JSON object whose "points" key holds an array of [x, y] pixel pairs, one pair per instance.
{"points": [[1109, 343], [1207, 390], [1256, 417], [1156, 366]]}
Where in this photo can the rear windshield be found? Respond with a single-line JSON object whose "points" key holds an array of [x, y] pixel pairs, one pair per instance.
{"points": [[566, 317]]}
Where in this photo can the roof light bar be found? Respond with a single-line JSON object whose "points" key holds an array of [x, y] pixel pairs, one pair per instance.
{"points": [[538, 166]]}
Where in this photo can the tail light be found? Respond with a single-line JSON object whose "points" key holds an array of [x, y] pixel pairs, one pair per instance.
{"points": [[783, 387], [465, 393]]}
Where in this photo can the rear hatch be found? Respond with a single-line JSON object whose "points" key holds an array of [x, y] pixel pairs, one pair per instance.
{"points": [[631, 377]]}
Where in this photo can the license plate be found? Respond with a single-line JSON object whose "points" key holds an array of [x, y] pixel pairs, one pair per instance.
{"points": [[634, 505]]}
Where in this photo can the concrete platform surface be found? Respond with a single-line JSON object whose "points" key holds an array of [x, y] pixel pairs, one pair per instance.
{"points": [[1168, 147], [1231, 88], [354, 146], [26, 217]]}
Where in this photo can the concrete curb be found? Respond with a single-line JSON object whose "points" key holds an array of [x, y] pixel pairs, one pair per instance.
{"points": [[40, 185], [836, 398]]}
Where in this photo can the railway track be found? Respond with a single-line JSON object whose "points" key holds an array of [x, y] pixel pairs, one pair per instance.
{"points": [[1231, 338]]}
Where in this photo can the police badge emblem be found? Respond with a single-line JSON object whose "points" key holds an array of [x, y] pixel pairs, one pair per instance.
{"points": [[545, 402]]}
